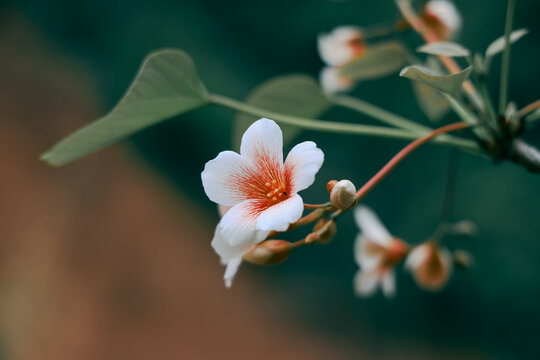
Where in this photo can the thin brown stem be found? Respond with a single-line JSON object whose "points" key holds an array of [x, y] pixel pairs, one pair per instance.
{"points": [[406, 151], [529, 108]]}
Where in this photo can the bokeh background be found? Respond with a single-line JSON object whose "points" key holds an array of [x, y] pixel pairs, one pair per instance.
{"points": [[110, 258]]}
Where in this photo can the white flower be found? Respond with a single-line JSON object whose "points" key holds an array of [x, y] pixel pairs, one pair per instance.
{"points": [[443, 17], [260, 188], [332, 82], [430, 265], [341, 45], [377, 253]]}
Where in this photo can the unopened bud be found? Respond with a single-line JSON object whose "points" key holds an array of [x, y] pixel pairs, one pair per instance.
{"points": [[269, 252], [312, 238], [343, 195], [330, 185], [430, 265], [463, 259], [326, 230]]}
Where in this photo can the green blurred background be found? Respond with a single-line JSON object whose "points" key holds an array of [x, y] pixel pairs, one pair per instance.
{"points": [[489, 311]]}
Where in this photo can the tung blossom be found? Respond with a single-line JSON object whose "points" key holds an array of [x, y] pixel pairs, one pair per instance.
{"points": [[377, 253], [341, 45], [259, 187], [443, 18]]}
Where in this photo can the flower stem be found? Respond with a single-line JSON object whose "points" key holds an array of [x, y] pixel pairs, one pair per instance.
{"points": [[505, 65], [335, 127], [403, 154], [529, 108], [378, 113], [317, 206]]}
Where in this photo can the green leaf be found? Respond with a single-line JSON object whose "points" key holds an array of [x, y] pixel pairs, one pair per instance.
{"points": [[296, 95], [432, 103], [445, 48], [379, 60], [450, 84], [166, 85], [498, 45]]}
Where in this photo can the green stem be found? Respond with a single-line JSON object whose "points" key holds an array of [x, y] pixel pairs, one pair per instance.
{"points": [[335, 127], [505, 67], [460, 110], [378, 113]]}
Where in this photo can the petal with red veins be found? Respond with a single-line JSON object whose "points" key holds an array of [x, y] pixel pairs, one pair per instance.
{"points": [[371, 226], [278, 217], [302, 163], [220, 175], [238, 225], [263, 140]]}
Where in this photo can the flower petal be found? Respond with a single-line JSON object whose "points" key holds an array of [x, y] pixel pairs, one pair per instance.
{"points": [[278, 217], [388, 284], [417, 257], [333, 82], [237, 226], [263, 140], [220, 175], [363, 257], [231, 270], [226, 251], [371, 226], [302, 163], [365, 283]]}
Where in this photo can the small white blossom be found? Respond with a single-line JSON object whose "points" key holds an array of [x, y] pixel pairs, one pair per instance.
{"points": [[260, 189], [341, 45], [377, 253], [332, 82], [443, 17]]}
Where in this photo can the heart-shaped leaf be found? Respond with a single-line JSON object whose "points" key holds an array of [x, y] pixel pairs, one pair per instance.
{"points": [[297, 95], [450, 84], [498, 45], [166, 85], [445, 48], [378, 61]]}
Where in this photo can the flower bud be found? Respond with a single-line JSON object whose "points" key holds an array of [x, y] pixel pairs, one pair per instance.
{"points": [[312, 238], [330, 185], [343, 195], [430, 266], [269, 252], [326, 230], [442, 18], [463, 259]]}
